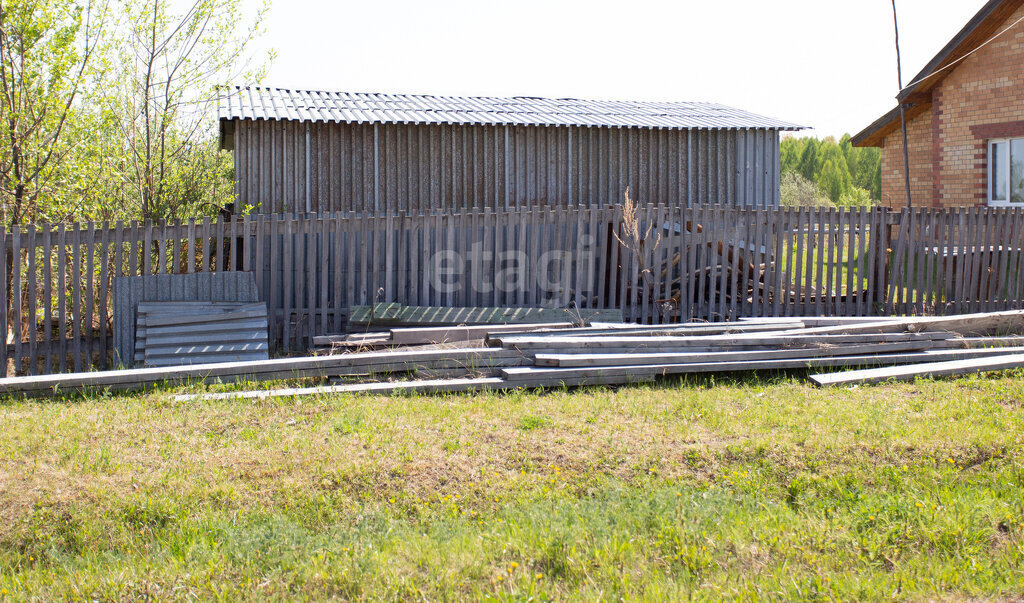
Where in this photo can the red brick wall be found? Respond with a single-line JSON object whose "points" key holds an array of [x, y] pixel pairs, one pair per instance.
{"points": [[919, 135], [981, 98]]}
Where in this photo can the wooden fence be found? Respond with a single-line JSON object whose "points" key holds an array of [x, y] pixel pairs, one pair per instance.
{"points": [[704, 262]]}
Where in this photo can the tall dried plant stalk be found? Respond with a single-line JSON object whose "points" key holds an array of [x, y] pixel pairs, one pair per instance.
{"points": [[637, 240]]}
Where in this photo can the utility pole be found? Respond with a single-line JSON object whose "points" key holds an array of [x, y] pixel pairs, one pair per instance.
{"points": [[903, 119]]}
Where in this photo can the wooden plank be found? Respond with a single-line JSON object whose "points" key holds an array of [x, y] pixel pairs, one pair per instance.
{"points": [[90, 292], [897, 270], [104, 295], [801, 278], [943, 267], [679, 330], [701, 270], [31, 295], [872, 234], [977, 240], [821, 246], [635, 359], [147, 248], [910, 372], [287, 290], [76, 294], [47, 251], [205, 265], [668, 343], [312, 280], [747, 256], [985, 323], [279, 368], [580, 245], [219, 241], [275, 284], [419, 386], [62, 294], [337, 274], [160, 249], [6, 299], [779, 233], [737, 273], [190, 246]]}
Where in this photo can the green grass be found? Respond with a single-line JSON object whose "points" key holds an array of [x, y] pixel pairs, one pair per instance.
{"points": [[756, 488]]}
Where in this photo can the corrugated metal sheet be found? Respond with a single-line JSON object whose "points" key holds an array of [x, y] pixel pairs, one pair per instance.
{"points": [[291, 166], [258, 103]]}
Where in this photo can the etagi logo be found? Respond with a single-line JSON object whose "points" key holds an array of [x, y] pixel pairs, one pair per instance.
{"points": [[483, 270]]}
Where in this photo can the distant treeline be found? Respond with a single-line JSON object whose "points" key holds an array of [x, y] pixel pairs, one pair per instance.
{"points": [[826, 172]]}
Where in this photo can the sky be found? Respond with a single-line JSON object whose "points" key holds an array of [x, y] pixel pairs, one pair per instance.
{"points": [[826, 64]]}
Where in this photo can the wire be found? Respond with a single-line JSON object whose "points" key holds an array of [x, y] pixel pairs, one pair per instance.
{"points": [[980, 46]]}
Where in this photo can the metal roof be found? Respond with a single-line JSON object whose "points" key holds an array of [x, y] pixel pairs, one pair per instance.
{"points": [[357, 107]]}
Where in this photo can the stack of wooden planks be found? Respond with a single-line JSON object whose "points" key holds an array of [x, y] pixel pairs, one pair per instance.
{"points": [[177, 333], [541, 356], [416, 336]]}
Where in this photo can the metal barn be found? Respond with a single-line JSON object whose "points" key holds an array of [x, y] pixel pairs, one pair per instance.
{"points": [[307, 151]]}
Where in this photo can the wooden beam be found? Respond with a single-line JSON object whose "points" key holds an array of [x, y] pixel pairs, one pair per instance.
{"points": [[424, 386], [979, 324], [264, 370], [582, 360], [928, 369]]}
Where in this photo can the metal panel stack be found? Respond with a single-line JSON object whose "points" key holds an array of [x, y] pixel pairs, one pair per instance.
{"points": [[130, 291], [179, 333]]}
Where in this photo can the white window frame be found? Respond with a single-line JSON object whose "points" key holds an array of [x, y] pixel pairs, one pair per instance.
{"points": [[1006, 170]]}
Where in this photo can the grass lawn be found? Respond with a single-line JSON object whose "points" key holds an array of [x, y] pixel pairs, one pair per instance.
{"points": [[760, 487]]}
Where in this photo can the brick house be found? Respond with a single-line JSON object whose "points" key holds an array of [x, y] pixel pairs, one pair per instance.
{"points": [[965, 119]]}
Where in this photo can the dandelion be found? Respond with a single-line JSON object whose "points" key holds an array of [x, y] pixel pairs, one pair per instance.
{"points": [[919, 505], [514, 565], [538, 576], [871, 517]]}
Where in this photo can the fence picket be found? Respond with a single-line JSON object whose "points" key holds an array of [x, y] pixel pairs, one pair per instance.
{"points": [[5, 298], [76, 295], [46, 253], [16, 319], [30, 291]]}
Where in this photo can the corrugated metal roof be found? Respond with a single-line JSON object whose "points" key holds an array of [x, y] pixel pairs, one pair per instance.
{"points": [[358, 107]]}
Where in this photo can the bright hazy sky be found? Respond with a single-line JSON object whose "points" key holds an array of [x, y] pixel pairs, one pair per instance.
{"points": [[828, 64]]}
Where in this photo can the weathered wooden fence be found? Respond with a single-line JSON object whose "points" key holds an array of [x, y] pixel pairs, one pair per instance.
{"points": [[664, 264]]}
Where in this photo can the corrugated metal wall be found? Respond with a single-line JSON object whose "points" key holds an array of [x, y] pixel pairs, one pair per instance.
{"points": [[292, 166]]}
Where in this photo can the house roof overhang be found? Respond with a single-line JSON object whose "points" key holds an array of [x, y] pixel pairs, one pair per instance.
{"points": [[916, 96]]}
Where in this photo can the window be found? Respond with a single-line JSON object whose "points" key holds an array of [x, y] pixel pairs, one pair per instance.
{"points": [[1006, 171]]}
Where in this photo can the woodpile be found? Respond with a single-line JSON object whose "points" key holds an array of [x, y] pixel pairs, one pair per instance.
{"points": [[556, 355]]}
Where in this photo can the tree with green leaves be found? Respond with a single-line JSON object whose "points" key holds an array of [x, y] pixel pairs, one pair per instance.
{"points": [[845, 174], [46, 49]]}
